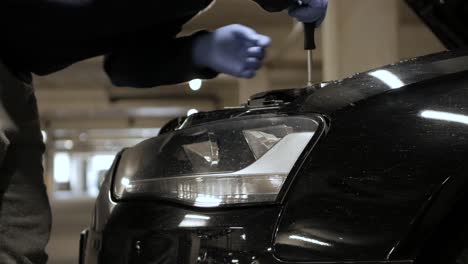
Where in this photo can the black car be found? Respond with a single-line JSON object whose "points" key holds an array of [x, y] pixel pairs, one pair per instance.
{"points": [[370, 169]]}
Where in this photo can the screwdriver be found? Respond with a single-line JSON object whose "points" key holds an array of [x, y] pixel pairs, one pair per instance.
{"points": [[309, 45]]}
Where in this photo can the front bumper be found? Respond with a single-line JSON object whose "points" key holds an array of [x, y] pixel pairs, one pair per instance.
{"points": [[148, 233]]}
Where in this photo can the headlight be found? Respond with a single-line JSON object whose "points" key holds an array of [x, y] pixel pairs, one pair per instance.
{"points": [[239, 161]]}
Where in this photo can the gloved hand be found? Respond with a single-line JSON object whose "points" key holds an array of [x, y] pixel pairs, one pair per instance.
{"points": [[309, 11], [235, 50]]}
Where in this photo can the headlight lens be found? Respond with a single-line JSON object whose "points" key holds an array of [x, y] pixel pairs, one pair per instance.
{"points": [[239, 161]]}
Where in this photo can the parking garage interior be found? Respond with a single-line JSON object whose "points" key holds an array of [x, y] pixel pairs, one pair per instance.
{"points": [[86, 121]]}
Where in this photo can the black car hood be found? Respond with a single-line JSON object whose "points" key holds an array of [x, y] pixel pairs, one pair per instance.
{"points": [[448, 19]]}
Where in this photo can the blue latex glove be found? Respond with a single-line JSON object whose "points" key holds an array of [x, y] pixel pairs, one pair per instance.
{"points": [[235, 50], [309, 11]]}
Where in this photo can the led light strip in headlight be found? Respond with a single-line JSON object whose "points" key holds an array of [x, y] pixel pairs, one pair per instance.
{"points": [[239, 161]]}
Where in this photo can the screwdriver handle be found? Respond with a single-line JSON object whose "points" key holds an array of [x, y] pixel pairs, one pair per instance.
{"points": [[309, 36]]}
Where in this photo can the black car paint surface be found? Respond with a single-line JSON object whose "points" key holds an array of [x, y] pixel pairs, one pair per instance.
{"points": [[368, 191], [369, 179]]}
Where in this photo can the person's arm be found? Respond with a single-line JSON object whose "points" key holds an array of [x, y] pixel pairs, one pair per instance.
{"points": [[155, 61], [75, 19], [147, 59], [43, 36], [155, 56]]}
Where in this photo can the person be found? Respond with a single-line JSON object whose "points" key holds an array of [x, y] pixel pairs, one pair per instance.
{"points": [[141, 48]]}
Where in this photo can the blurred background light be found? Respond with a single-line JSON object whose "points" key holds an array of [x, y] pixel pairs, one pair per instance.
{"points": [[62, 167], [68, 144], [195, 84]]}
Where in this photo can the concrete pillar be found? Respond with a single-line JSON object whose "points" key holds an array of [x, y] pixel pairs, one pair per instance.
{"points": [[248, 87], [359, 35]]}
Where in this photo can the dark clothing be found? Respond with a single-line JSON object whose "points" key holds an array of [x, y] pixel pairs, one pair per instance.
{"points": [[24, 208], [138, 37], [275, 5]]}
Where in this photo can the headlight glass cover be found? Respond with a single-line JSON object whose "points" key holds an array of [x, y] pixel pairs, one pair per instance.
{"points": [[237, 161]]}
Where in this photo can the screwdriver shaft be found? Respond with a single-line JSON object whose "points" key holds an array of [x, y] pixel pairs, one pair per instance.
{"points": [[309, 68]]}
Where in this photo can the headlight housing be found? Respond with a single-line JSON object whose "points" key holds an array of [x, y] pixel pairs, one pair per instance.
{"points": [[236, 161]]}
